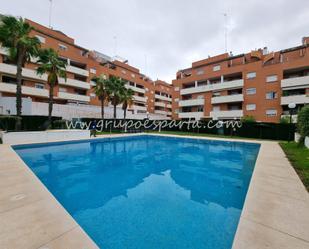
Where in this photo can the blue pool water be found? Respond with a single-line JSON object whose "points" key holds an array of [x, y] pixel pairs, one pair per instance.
{"points": [[149, 192]]}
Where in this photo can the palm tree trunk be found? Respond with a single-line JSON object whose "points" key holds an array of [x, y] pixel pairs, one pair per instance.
{"points": [[115, 110], [102, 109], [124, 114], [18, 90], [50, 103]]}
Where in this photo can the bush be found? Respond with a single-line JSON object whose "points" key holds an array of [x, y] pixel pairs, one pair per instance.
{"points": [[285, 120], [59, 124], [248, 119], [8, 122], [303, 123]]}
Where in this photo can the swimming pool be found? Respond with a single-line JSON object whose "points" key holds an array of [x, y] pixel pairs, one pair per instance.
{"points": [[148, 191]]}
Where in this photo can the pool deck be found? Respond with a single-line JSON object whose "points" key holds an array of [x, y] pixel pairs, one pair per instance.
{"points": [[275, 213]]}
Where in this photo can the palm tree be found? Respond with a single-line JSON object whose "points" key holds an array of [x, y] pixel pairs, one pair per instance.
{"points": [[116, 87], [127, 101], [101, 90], [14, 35], [50, 63]]}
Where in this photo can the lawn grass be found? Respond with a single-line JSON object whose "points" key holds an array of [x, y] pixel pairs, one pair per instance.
{"points": [[299, 158], [187, 133]]}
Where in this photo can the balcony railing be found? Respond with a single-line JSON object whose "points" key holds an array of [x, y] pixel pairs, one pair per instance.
{"points": [[297, 99], [139, 98], [226, 114], [26, 72], [213, 87], [157, 96], [195, 115], [161, 104], [77, 70], [191, 102], [74, 83], [136, 89], [161, 112], [297, 81], [72, 96], [26, 90], [227, 99]]}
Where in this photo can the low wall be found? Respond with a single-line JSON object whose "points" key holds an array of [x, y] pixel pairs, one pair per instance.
{"points": [[43, 136]]}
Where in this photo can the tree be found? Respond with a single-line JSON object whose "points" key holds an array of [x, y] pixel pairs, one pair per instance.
{"points": [[15, 36], [50, 63], [127, 101], [303, 123], [116, 87], [248, 119], [101, 91]]}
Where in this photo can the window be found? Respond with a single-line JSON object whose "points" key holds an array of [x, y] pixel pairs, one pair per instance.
{"points": [[132, 75], [123, 71], [251, 91], [272, 78], [176, 100], [200, 71], [176, 89], [93, 70], [271, 95], [92, 95], [216, 68], [63, 47], [200, 108], [41, 38], [251, 75], [250, 107], [216, 94], [271, 112], [216, 108], [39, 85]]}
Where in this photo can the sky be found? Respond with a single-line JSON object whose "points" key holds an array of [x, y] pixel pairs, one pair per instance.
{"points": [[161, 37]]}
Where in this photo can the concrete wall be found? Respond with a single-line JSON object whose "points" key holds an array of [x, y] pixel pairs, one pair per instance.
{"points": [[43, 136], [8, 106]]}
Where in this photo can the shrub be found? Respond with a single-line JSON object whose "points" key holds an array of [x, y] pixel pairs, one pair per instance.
{"points": [[59, 124], [8, 122], [303, 123], [285, 120], [248, 119]]}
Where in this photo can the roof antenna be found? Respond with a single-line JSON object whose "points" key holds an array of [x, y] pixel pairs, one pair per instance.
{"points": [[50, 13], [225, 31], [115, 45]]}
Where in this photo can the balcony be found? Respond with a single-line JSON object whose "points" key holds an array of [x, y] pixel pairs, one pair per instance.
{"points": [[161, 112], [27, 73], [227, 99], [226, 114], [139, 108], [169, 106], [26, 90], [191, 102], [136, 89], [74, 83], [139, 98], [297, 99], [213, 87], [157, 96], [72, 96], [295, 82], [161, 104], [195, 115], [77, 70]]}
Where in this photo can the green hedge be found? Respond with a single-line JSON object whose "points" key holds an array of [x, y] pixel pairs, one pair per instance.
{"points": [[28, 123]]}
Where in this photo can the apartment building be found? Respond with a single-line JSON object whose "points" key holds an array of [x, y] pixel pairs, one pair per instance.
{"points": [[259, 84], [75, 96], [162, 98]]}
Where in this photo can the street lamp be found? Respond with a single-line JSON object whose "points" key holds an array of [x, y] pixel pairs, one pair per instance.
{"points": [[291, 107]]}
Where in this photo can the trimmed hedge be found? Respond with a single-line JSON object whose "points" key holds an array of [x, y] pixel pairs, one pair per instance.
{"points": [[28, 123]]}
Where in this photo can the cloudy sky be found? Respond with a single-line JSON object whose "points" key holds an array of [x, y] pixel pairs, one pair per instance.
{"points": [[163, 36]]}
